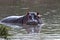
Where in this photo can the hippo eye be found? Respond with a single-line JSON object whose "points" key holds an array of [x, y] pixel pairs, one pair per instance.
{"points": [[30, 17], [38, 17]]}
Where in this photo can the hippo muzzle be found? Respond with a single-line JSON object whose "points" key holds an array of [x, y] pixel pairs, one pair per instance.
{"points": [[32, 22]]}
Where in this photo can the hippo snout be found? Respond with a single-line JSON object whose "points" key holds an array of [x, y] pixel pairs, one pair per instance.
{"points": [[30, 22]]}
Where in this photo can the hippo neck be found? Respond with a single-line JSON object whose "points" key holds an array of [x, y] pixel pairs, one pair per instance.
{"points": [[22, 20], [25, 19]]}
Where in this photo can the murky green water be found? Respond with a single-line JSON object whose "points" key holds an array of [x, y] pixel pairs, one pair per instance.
{"points": [[50, 9]]}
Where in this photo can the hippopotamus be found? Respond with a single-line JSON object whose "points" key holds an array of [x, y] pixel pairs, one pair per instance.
{"points": [[31, 22]]}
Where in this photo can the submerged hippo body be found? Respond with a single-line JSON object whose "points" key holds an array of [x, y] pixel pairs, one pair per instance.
{"points": [[30, 22]]}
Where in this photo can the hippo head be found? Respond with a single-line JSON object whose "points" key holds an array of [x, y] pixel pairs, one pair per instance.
{"points": [[33, 18]]}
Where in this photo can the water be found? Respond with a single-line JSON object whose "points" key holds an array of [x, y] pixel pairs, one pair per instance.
{"points": [[35, 37], [50, 37], [50, 11]]}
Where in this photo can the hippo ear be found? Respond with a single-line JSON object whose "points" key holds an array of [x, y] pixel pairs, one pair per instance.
{"points": [[38, 14], [27, 14]]}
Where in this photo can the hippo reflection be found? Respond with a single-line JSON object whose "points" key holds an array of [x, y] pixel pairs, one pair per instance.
{"points": [[30, 22]]}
